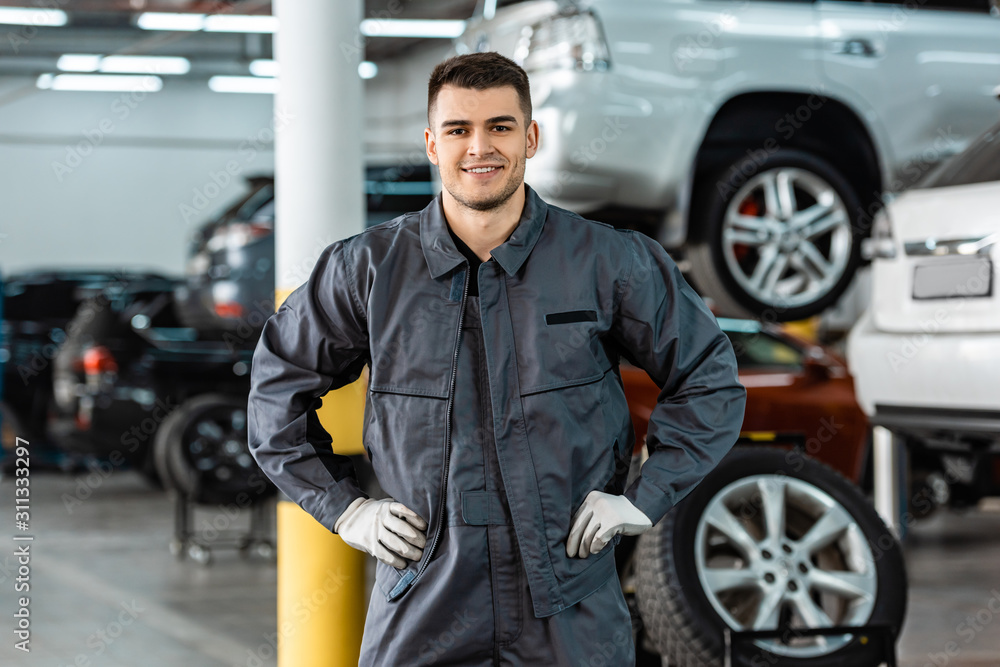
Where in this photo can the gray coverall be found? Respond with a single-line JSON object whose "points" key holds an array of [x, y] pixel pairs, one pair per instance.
{"points": [[535, 391], [475, 609]]}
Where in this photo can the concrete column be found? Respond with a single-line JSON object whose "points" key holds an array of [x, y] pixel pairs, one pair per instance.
{"points": [[320, 199], [318, 149]]}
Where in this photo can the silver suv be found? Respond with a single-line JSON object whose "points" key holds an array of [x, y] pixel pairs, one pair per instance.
{"points": [[758, 138]]}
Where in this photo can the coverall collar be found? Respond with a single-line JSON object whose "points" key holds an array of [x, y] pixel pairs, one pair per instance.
{"points": [[442, 256]]}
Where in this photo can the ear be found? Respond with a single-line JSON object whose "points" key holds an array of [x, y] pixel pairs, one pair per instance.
{"points": [[431, 145], [534, 139]]}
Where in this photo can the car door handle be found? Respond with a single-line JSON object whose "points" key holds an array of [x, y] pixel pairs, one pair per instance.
{"points": [[855, 47]]}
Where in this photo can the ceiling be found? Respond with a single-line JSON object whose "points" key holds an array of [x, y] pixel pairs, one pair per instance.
{"points": [[107, 27]]}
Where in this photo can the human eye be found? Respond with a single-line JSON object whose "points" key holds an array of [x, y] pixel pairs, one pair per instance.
{"points": [[457, 129], [501, 127]]}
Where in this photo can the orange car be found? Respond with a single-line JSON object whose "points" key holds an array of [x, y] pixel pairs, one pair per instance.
{"points": [[798, 394]]}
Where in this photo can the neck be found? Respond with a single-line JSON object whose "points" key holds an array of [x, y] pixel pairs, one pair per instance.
{"points": [[483, 230]]}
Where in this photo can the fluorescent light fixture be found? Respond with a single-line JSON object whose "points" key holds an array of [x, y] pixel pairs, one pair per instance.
{"points": [[86, 62], [243, 84], [264, 67], [412, 28], [269, 68], [240, 23], [209, 23], [116, 83], [170, 21], [79, 62], [145, 64], [31, 16]]}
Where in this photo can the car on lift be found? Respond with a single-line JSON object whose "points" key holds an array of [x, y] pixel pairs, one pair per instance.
{"points": [[755, 138], [926, 354], [778, 535]]}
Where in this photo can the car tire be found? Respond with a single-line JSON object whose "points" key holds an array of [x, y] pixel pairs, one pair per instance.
{"points": [[201, 451], [759, 255], [682, 599], [166, 437]]}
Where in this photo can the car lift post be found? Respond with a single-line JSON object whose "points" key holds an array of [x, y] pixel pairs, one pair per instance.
{"points": [[887, 474], [318, 130]]}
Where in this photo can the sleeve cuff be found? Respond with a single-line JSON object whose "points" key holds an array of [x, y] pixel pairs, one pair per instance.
{"points": [[649, 500]]}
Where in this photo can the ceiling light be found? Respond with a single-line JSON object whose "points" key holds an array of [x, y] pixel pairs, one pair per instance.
{"points": [[100, 82], [412, 28], [243, 84], [32, 16], [264, 67], [79, 62], [146, 64], [240, 23], [170, 21], [86, 62], [367, 69]]}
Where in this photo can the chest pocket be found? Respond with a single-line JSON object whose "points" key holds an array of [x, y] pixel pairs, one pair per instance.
{"points": [[413, 342], [561, 348]]}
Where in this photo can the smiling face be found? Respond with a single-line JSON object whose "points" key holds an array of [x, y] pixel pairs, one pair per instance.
{"points": [[480, 142]]}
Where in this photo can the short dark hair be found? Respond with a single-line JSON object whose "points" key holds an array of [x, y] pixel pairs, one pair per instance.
{"points": [[479, 71]]}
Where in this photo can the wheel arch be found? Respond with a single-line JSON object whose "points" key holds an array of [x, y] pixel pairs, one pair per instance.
{"points": [[767, 121]]}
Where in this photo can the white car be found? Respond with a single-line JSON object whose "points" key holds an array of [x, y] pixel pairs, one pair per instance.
{"points": [[755, 138], [926, 355]]}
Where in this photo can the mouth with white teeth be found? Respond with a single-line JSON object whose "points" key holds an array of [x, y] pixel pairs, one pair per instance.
{"points": [[483, 171]]}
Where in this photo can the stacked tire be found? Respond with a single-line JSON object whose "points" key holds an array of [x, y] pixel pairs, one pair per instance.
{"points": [[769, 540]]}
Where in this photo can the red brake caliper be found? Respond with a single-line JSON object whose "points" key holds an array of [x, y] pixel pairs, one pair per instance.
{"points": [[747, 207]]}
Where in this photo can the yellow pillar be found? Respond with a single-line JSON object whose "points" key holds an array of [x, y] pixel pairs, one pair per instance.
{"points": [[321, 580], [321, 593]]}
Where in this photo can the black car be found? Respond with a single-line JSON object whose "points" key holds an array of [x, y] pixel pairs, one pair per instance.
{"points": [[128, 363], [37, 309]]}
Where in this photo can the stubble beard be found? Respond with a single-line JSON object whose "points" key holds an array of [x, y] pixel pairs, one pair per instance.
{"points": [[513, 182]]}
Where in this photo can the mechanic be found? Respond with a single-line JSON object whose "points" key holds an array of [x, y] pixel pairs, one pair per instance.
{"points": [[492, 325]]}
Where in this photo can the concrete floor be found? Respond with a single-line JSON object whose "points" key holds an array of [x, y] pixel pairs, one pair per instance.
{"points": [[106, 592]]}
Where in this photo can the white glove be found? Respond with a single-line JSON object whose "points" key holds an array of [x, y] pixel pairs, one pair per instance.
{"points": [[599, 519], [388, 530]]}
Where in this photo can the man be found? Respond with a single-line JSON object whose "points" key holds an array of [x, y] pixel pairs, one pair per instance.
{"points": [[492, 325]]}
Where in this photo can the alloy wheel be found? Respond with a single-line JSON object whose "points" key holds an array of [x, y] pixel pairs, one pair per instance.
{"points": [[216, 443], [774, 551], [786, 237]]}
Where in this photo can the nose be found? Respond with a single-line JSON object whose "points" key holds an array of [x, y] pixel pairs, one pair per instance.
{"points": [[480, 143]]}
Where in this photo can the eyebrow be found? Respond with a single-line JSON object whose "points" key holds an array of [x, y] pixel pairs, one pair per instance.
{"points": [[489, 121]]}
